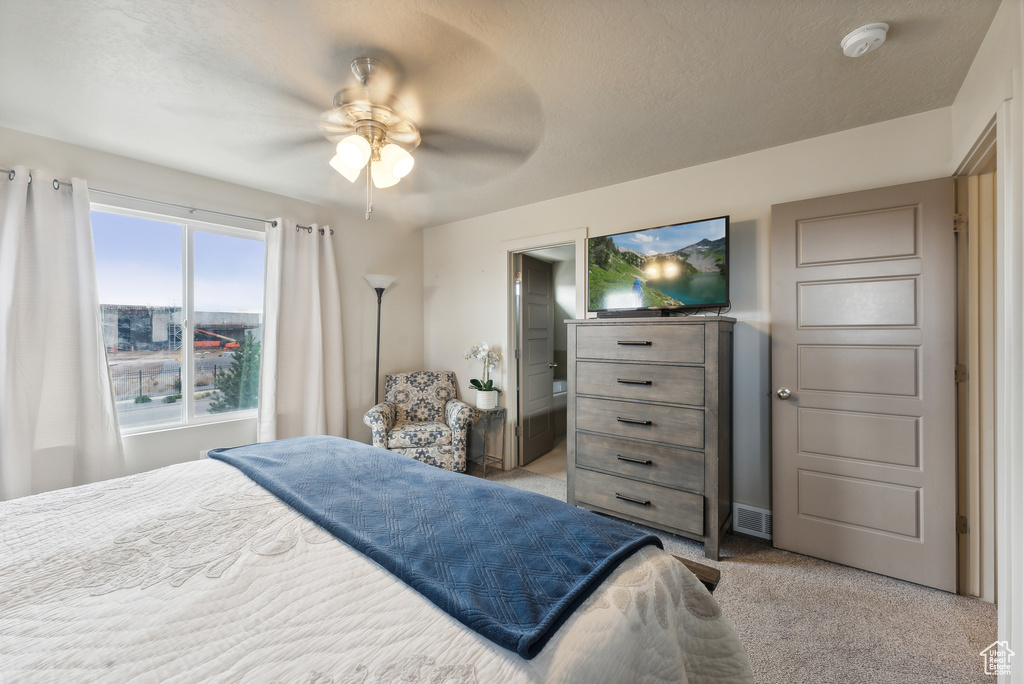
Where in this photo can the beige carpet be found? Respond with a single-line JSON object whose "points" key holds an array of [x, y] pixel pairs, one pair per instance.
{"points": [[807, 620]]}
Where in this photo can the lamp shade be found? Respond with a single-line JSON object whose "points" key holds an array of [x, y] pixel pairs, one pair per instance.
{"points": [[354, 151], [382, 178], [396, 160], [349, 173], [379, 281]]}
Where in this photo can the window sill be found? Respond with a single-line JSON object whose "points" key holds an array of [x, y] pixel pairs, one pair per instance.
{"points": [[236, 417]]}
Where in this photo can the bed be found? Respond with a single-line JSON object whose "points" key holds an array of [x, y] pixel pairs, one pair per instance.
{"points": [[196, 573]]}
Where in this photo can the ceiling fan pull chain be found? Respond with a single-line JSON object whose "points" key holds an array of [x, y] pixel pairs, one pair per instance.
{"points": [[369, 194]]}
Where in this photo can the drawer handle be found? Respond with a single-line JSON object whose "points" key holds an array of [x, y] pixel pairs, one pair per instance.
{"points": [[633, 382], [632, 500], [632, 421], [635, 343], [627, 459]]}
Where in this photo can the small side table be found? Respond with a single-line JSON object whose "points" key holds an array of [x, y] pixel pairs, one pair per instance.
{"points": [[487, 438]]}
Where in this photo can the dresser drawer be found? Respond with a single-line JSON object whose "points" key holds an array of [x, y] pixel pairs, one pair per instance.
{"points": [[653, 463], [639, 342], [674, 384], [646, 502], [669, 424]]}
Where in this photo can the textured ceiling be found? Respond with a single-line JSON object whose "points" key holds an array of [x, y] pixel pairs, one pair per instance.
{"points": [[520, 101]]}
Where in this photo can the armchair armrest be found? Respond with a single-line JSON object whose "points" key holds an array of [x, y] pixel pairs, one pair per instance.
{"points": [[458, 416], [381, 419]]}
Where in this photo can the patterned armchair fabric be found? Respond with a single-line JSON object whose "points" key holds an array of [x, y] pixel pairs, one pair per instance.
{"points": [[421, 418]]}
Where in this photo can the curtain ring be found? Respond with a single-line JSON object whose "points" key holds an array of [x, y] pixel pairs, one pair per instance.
{"points": [[56, 184], [10, 176]]}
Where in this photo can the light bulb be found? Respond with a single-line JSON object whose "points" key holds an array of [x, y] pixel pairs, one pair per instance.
{"points": [[350, 174], [397, 161], [354, 151]]}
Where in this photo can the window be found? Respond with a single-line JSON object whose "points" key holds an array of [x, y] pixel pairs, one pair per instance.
{"points": [[182, 311]]}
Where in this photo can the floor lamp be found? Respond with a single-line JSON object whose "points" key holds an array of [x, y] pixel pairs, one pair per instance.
{"points": [[379, 283]]}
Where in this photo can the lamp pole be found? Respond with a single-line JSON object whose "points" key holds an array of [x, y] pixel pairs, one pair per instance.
{"points": [[376, 367], [379, 283]]}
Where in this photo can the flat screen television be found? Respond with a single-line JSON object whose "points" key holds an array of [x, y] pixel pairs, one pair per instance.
{"points": [[681, 267]]}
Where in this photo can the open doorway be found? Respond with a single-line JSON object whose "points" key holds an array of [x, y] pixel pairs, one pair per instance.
{"points": [[544, 286]]}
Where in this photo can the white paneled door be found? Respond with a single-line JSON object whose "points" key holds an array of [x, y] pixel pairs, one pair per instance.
{"points": [[863, 360]]}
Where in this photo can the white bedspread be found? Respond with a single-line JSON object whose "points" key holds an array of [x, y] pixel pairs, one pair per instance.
{"points": [[193, 573]]}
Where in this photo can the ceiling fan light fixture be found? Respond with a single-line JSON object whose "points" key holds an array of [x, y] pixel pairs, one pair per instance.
{"points": [[396, 160], [349, 173], [370, 130], [354, 151], [382, 176]]}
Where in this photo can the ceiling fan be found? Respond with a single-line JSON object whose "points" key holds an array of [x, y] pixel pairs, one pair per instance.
{"points": [[371, 130]]}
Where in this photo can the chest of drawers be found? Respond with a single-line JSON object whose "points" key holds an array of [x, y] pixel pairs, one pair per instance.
{"points": [[650, 422]]}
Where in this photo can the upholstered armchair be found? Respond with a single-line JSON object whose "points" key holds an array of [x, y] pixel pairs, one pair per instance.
{"points": [[421, 418]]}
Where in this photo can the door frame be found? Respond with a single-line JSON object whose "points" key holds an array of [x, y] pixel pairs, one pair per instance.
{"points": [[576, 237], [974, 546], [1005, 104], [1009, 338], [1009, 368]]}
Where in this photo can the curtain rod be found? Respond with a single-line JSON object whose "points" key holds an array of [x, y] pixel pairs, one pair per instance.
{"points": [[57, 183]]}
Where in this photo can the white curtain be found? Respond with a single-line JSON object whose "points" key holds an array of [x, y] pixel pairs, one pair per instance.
{"points": [[301, 385], [58, 423]]}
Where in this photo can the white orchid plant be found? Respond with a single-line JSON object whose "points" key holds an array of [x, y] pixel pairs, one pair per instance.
{"points": [[489, 359]]}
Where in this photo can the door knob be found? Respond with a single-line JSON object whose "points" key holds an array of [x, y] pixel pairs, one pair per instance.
{"points": [[784, 393], [552, 365]]}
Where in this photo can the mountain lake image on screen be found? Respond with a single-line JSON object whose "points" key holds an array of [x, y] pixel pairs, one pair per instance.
{"points": [[682, 266]]}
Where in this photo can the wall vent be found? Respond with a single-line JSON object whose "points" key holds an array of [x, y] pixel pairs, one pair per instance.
{"points": [[757, 522]]}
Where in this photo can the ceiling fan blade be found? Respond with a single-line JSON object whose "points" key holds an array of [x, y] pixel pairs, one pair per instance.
{"points": [[436, 170], [479, 118], [453, 144], [304, 144], [443, 75], [332, 130], [253, 80]]}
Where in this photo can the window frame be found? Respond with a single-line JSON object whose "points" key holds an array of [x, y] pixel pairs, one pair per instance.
{"points": [[188, 359]]}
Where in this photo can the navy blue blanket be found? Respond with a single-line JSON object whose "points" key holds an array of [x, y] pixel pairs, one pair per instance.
{"points": [[510, 565]]}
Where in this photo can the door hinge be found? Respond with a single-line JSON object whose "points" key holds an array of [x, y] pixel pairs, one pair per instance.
{"points": [[959, 223], [961, 525], [519, 430], [517, 353], [960, 372], [519, 276]]}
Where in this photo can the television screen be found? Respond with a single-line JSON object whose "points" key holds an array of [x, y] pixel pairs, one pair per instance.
{"points": [[682, 266]]}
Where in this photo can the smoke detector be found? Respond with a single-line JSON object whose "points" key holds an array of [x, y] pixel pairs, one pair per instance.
{"points": [[864, 40]]}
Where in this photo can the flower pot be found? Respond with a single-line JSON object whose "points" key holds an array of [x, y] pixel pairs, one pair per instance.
{"points": [[486, 399]]}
